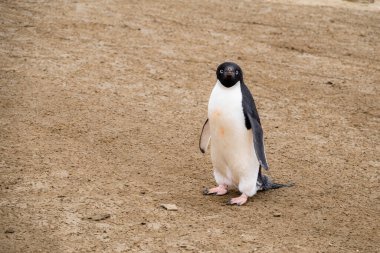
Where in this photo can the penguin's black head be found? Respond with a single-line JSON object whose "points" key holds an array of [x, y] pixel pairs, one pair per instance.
{"points": [[229, 73]]}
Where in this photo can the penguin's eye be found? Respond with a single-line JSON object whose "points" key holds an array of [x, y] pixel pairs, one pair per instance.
{"points": [[237, 72], [221, 71]]}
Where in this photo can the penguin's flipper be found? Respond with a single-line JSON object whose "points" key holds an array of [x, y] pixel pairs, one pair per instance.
{"points": [[258, 141], [205, 137], [252, 120]]}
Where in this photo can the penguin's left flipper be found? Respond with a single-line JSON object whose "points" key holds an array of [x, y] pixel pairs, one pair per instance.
{"points": [[258, 141], [252, 121], [204, 140]]}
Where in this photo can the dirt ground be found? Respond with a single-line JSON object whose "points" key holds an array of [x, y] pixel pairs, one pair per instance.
{"points": [[102, 104]]}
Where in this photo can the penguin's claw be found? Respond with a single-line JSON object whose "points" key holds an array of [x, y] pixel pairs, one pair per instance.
{"points": [[219, 190], [238, 201]]}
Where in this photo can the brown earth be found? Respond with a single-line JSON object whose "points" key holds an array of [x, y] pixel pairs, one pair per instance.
{"points": [[102, 103]]}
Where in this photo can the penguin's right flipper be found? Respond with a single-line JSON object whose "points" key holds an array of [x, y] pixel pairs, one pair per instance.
{"points": [[204, 140]]}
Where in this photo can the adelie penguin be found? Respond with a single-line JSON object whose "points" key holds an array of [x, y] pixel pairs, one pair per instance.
{"points": [[237, 143]]}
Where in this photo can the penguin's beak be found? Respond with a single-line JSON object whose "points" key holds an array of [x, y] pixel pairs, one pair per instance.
{"points": [[229, 74]]}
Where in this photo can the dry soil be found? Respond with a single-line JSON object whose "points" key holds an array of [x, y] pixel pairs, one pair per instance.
{"points": [[102, 103]]}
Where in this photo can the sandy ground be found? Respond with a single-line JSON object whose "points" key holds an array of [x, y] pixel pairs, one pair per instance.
{"points": [[102, 103]]}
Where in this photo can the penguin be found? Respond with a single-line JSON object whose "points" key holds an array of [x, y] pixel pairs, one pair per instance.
{"points": [[237, 143]]}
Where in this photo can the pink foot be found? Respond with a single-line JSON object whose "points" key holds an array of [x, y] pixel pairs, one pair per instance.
{"points": [[220, 190], [239, 200]]}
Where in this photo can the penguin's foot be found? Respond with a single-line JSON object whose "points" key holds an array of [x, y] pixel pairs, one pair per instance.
{"points": [[238, 201], [220, 190]]}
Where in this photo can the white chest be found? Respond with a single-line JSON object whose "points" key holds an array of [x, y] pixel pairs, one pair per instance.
{"points": [[232, 149], [225, 110]]}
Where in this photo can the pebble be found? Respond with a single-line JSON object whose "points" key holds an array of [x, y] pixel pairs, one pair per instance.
{"points": [[277, 215], [170, 207], [99, 217], [9, 231]]}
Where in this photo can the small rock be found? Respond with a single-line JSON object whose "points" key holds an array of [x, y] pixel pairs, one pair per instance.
{"points": [[170, 207], [9, 231], [99, 217], [154, 226], [277, 215]]}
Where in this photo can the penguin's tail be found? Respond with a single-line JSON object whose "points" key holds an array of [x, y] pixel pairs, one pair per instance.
{"points": [[266, 184], [277, 186]]}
